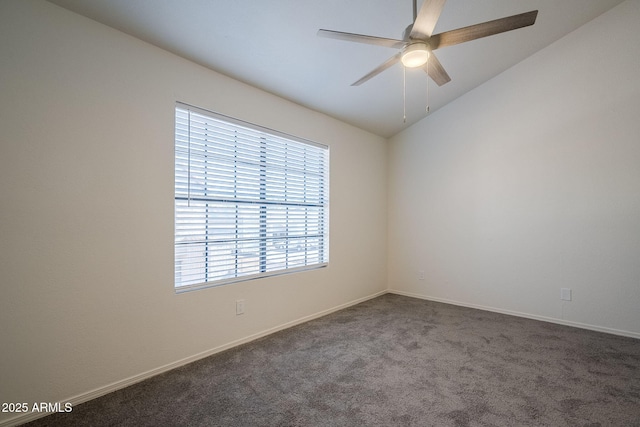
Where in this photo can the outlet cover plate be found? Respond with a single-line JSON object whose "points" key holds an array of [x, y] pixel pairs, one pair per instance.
{"points": [[239, 307]]}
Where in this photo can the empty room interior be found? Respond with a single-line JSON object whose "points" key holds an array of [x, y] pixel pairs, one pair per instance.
{"points": [[473, 256]]}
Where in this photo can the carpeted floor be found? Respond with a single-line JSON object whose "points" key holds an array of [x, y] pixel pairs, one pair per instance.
{"points": [[393, 361]]}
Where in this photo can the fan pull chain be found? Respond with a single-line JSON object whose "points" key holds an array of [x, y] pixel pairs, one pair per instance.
{"points": [[428, 78], [404, 94]]}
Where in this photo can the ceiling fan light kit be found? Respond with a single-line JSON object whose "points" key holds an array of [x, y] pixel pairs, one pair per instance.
{"points": [[415, 55]]}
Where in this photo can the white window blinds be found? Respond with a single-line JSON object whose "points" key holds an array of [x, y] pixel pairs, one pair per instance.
{"points": [[249, 202]]}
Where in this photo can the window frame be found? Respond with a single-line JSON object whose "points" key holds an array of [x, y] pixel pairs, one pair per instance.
{"points": [[265, 239]]}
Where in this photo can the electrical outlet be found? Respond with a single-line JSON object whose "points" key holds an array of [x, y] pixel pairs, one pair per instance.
{"points": [[239, 307], [565, 294], [420, 274]]}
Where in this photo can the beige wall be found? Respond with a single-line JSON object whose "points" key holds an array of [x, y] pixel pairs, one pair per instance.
{"points": [[86, 225], [528, 184]]}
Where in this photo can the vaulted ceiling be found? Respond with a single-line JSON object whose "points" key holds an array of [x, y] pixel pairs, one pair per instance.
{"points": [[273, 45]]}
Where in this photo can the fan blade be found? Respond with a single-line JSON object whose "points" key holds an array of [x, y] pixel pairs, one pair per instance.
{"points": [[436, 70], [388, 63], [461, 35], [360, 38], [427, 19]]}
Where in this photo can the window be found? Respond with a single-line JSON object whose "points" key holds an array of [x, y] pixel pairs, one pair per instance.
{"points": [[249, 202]]}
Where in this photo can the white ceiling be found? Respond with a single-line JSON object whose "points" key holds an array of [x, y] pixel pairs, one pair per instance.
{"points": [[272, 45]]}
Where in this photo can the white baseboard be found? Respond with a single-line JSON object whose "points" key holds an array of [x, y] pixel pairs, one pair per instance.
{"points": [[101, 391], [520, 314]]}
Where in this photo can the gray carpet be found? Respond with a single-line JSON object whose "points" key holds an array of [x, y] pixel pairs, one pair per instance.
{"points": [[393, 361]]}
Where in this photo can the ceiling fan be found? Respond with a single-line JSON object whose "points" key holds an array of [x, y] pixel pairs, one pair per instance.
{"points": [[418, 41]]}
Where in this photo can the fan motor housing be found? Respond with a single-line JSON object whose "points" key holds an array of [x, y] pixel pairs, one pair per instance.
{"points": [[407, 32]]}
